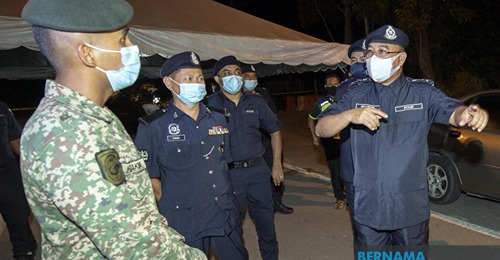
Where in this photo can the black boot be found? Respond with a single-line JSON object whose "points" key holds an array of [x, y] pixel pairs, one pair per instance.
{"points": [[282, 208]]}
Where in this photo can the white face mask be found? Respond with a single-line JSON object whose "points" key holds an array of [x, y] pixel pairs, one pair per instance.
{"points": [[381, 69]]}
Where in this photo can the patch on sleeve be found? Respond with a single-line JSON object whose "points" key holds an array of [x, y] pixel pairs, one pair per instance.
{"points": [[144, 154], [111, 168]]}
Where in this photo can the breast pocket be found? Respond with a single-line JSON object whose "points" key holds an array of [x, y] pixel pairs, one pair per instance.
{"points": [[251, 119], [408, 122], [177, 155]]}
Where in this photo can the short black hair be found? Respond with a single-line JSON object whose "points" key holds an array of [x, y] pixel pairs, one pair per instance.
{"points": [[333, 75]]}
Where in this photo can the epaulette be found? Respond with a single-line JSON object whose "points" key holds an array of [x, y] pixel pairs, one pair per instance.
{"points": [[146, 120], [427, 81]]}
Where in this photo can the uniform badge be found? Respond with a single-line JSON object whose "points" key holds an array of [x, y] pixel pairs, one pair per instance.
{"points": [[218, 130], [144, 154], [194, 59], [111, 168], [363, 45], [253, 69], [173, 129], [390, 34]]}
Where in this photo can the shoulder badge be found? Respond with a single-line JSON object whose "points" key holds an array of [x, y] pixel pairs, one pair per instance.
{"points": [[146, 120], [111, 168]]}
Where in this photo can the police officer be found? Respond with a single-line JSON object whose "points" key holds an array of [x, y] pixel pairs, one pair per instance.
{"points": [[250, 83], [86, 182], [247, 113], [392, 114], [331, 146], [13, 205], [357, 71], [187, 151]]}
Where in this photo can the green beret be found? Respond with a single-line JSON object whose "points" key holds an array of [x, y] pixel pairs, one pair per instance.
{"points": [[78, 15]]}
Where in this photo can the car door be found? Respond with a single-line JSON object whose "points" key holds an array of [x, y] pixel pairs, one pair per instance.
{"points": [[479, 158]]}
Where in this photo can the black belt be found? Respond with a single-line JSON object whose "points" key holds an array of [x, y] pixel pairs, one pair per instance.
{"points": [[244, 164]]}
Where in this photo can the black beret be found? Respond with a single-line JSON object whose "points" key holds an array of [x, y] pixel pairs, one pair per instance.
{"points": [[183, 60], [388, 34], [247, 68], [223, 62], [357, 46], [78, 15]]}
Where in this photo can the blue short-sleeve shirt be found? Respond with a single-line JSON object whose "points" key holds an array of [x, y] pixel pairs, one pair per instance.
{"points": [[245, 119], [391, 189], [190, 158]]}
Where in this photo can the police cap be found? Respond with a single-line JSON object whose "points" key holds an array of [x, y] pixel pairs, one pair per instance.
{"points": [[357, 46], [183, 60], [247, 68], [388, 34], [78, 15], [223, 62]]}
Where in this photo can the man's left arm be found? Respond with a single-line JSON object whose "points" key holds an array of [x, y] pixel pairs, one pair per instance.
{"points": [[277, 170], [16, 146], [472, 116]]}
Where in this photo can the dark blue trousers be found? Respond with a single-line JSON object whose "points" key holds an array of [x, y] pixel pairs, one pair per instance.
{"points": [[15, 211], [416, 235], [349, 190], [252, 188]]}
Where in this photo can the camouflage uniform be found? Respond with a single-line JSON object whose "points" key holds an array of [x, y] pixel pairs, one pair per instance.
{"points": [[88, 186]]}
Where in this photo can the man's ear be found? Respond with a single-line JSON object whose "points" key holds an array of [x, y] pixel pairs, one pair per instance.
{"points": [[217, 79], [85, 55], [167, 82], [402, 58]]}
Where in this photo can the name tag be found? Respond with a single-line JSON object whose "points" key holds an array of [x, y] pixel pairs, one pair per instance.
{"points": [[176, 138], [249, 111], [358, 105], [409, 107], [135, 166]]}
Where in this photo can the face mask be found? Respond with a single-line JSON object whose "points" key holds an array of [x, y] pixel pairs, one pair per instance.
{"points": [[190, 93], [126, 75], [250, 84], [331, 91], [380, 69], [232, 84], [358, 70]]}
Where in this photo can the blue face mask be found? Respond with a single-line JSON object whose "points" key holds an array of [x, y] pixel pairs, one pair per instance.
{"points": [[250, 84], [190, 93], [232, 84], [358, 70], [126, 75]]}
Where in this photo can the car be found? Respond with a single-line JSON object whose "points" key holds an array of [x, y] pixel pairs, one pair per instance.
{"points": [[463, 160]]}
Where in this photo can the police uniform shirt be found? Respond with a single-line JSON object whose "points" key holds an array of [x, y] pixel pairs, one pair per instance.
{"points": [[245, 120], [9, 130], [80, 166], [390, 162], [190, 158], [267, 98]]}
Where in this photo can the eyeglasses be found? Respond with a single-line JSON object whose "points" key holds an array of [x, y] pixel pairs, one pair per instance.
{"points": [[381, 53]]}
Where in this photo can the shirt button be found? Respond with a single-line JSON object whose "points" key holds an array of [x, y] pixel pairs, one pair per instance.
{"points": [[202, 142], [207, 158], [214, 186], [216, 198], [210, 172], [197, 127], [176, 207]]}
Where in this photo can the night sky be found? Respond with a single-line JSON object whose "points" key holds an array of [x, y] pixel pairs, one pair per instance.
{"points": [[282, 12]]}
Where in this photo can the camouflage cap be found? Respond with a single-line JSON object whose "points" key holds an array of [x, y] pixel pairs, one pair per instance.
{"points": [[78, 15]]}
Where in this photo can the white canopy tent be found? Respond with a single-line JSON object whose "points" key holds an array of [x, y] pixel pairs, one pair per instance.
{"points": [[167, 27]]}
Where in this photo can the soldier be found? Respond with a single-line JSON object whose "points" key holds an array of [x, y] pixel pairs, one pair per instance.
{"points": [[247, 113], [13, 205], [187, 149], [392, 114], [84, 178]]}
